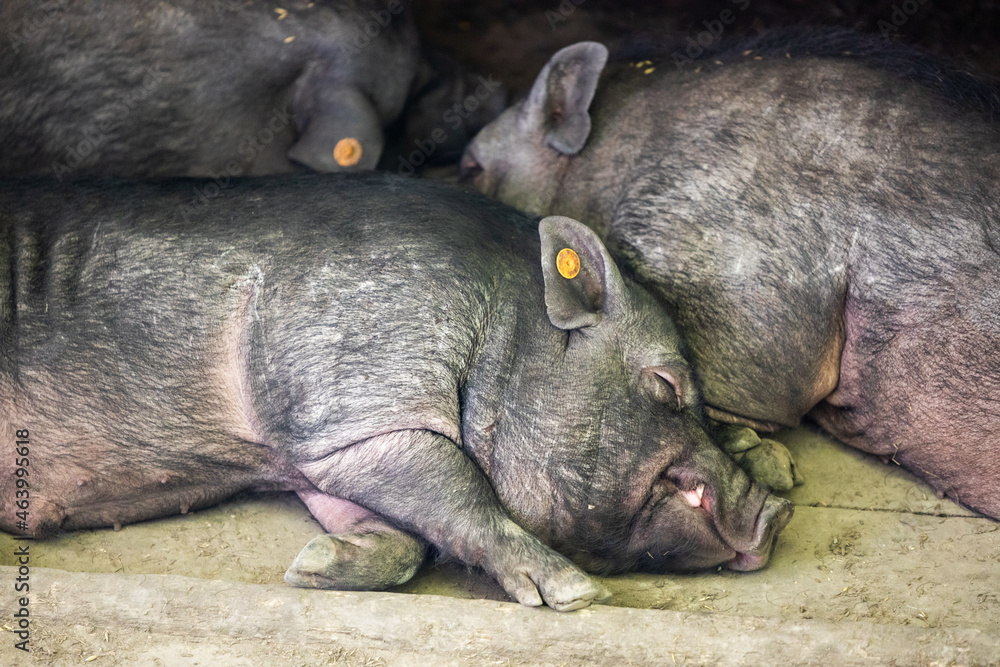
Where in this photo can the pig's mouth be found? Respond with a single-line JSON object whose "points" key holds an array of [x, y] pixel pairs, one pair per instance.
{"points": [[744, 562], [737, 553], [702, 502]]}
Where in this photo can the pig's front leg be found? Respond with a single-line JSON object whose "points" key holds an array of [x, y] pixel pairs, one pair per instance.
{"points": [[363, 552], [424, 483], [767, 461]]}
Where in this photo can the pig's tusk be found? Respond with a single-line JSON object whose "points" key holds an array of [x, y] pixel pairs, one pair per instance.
{"points": [[693, 498]]}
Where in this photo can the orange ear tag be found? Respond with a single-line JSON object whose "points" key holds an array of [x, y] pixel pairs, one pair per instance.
{"points": [[568, 263], [347, 152]]}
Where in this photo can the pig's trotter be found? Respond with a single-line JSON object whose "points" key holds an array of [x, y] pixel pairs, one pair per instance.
{"points": [[363, 561], [531, 573], [767, 461], [410, 477], [771, 464]]}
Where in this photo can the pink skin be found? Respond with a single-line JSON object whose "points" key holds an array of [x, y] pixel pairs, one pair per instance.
{"points": [[349, 521], [336, 515]]}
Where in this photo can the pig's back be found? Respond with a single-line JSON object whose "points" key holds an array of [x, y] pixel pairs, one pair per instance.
{"points": [[774, 185], [276, 309]]}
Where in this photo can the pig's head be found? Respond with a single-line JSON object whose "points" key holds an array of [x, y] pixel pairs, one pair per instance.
{"points": [[631, 478], [449, 104], [609, 459], [518, 157]]}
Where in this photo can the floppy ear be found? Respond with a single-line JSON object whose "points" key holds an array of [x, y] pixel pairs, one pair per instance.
{"points": [[582, 283], [559, 99], [339, 127]]}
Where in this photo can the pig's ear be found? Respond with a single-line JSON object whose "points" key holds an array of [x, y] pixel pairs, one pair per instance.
{"points": [[338, 126], [559, 99], [582, 283]]}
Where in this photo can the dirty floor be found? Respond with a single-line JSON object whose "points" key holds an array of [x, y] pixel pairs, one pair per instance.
{"points": [[872, 569]]}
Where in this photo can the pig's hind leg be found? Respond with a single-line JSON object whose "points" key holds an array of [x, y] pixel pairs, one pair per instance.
{"points": [[425, 482], [363, 552]]}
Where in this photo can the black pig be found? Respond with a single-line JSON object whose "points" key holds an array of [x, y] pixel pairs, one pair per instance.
{"points": [[822, 214], [405, 356], [217, 88]]}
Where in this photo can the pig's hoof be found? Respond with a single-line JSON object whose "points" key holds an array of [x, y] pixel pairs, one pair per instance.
{"points": [[771, 464], [571, 591], [735, 440], [768, 461], [357, 561], [555, 582]]}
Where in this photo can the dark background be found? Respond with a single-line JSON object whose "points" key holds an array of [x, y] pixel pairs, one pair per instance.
{"points": [[512, 39]]}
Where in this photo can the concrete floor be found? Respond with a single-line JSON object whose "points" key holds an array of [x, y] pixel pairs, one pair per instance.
{"points": [[873, 569]]}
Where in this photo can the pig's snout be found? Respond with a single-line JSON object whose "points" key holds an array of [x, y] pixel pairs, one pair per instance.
{"points": [[774, 516]]}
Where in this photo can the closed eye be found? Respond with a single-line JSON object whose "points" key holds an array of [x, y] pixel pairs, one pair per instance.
{"points": [[661, 386]]}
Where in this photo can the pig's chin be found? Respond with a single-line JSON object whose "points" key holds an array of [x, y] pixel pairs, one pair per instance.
{"points": [[704, 561], [747, 562]]}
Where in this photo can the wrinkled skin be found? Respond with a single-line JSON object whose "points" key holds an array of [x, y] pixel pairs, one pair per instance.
{"points": [[825, 232], [403, 355], [219, 88]]}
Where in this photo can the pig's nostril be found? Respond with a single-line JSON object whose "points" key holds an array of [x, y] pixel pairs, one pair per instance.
{"points": [[775, 515], [469, 168]]}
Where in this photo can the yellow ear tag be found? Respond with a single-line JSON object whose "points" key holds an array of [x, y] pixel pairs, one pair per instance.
{"points": [[347, 152], [568, 263]]}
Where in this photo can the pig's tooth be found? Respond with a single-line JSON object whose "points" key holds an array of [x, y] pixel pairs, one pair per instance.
{"points": [[692, 498], [700, 490]]}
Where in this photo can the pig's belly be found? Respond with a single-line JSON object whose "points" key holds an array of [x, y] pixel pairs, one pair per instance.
{"points": [[71, 498], [81, 474], [148, 502], [928, 399]]}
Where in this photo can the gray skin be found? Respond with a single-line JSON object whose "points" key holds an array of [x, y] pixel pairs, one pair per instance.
{"points": [[403, 355], [208, 88], [824, 232]]}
